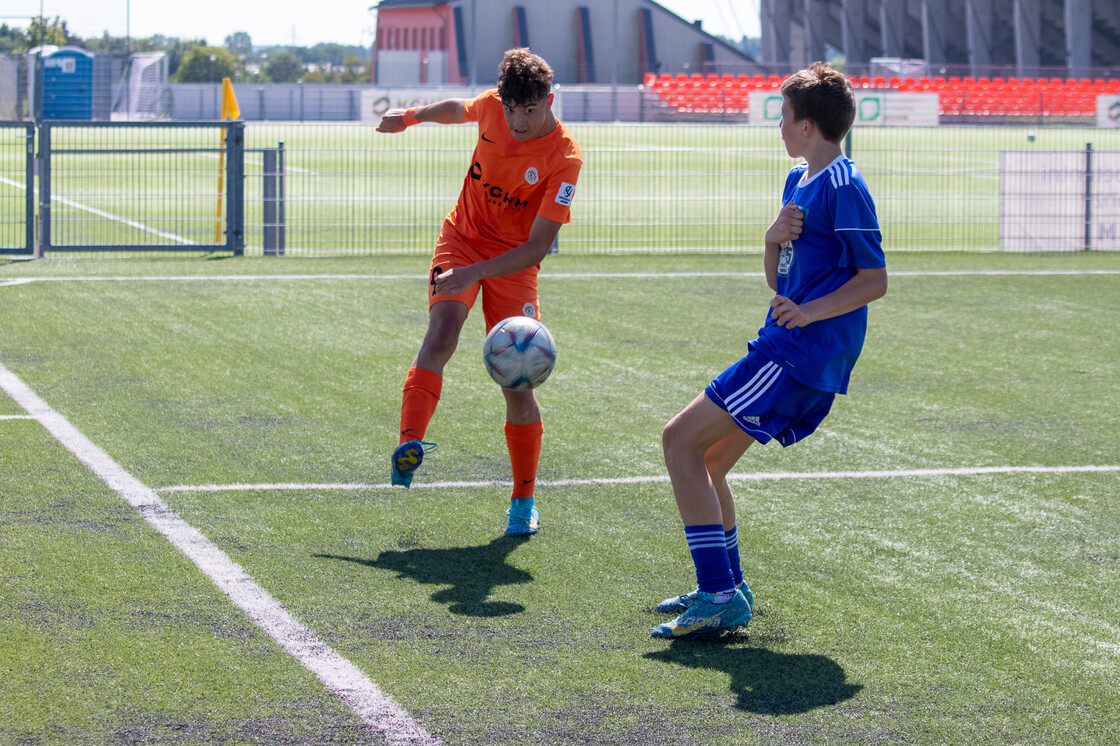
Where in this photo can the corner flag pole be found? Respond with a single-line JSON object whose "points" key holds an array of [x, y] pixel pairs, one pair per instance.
{"points": [[230, 111]]}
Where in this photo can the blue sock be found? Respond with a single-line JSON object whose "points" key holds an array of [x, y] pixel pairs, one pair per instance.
{"points": [[709, 553], [732, 539]]}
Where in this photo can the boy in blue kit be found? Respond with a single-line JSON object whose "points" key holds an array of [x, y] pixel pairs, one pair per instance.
{"points": [[824, 261]]}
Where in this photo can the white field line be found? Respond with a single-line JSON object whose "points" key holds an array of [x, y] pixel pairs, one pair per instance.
{"points": [[550, 275], [16, 417], [762, 477], [103, 214], [339, 675]]}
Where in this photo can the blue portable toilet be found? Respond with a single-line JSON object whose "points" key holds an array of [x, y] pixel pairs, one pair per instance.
{"points": [[68, 84]]}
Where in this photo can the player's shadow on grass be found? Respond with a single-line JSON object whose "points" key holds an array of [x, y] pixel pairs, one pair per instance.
{"points": [[471, 572], [767, 683]]}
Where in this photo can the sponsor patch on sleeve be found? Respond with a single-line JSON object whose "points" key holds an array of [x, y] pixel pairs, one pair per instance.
{"points": [[564, 196]]}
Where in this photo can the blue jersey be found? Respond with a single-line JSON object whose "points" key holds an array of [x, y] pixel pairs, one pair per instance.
{"points": [[840, 234]]}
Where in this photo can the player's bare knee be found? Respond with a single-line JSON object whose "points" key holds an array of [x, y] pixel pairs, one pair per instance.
{"points": [[672, 441]]}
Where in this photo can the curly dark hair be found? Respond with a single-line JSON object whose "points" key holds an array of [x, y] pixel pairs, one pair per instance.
{"points": [[523, 78], [824, 96]]}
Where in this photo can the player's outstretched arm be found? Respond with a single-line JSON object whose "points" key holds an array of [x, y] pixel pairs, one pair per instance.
{"points": [[448, 111]]}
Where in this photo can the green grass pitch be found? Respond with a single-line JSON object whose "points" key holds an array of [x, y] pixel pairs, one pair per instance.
{"points": [[948, 575]]}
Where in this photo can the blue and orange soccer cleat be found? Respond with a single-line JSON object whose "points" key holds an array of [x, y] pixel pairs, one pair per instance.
{"points": [[705, 616], [679, 604], [522, 518], [406, 458]]}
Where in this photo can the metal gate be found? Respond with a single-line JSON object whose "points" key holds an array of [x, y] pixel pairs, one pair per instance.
{"points": [[141, 186], [17, 193]]}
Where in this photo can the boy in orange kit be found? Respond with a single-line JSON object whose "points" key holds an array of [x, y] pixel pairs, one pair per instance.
{"points": [[515, 197]]}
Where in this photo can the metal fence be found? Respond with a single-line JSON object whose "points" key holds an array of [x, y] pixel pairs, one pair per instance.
{"points": [[17, 201], [326, 189]]}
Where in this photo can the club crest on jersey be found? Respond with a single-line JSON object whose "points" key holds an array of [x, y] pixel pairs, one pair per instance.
{"points": [[529, 310], [785, 258], [531, 175]]}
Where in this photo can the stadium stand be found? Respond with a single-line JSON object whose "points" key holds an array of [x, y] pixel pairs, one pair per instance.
{"points": [[959, 96]]}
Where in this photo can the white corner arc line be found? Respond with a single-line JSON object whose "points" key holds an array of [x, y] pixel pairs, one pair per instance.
{"points": [[342, 677]]}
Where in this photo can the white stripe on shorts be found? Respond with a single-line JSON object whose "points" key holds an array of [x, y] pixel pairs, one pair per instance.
{"points": [[766, 377]]}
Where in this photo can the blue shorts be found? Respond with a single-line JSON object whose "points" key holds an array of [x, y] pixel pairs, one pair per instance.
{"points": [[767, 403]]}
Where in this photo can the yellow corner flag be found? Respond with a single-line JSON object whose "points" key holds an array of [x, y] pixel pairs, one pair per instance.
{"points": [[230, 109]]}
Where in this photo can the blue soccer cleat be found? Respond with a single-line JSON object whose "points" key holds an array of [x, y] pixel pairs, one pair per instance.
{"points": [[522, 519], [406, 458], [705, 616], [679, 604]]}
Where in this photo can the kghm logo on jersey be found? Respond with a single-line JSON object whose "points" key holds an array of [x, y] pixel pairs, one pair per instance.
{"points": [[531, 175], [495, 194]]}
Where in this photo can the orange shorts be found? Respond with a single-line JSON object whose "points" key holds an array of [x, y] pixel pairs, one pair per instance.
{"points": [[502, 297]]}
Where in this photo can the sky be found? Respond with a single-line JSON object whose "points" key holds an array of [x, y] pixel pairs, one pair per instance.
{"points": [[302, 23]]}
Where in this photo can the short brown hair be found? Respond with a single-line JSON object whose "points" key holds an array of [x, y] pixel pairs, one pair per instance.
{"points": [[824, 96], [523, 78]]}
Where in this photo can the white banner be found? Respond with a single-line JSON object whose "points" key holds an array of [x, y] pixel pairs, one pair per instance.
{"points": [[1108, 111], [1050, 201], [377, 101], [873, 107]]}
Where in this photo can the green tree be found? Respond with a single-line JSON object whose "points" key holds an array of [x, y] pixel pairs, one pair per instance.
{"points": [[331, 54], [205, 65], [283, 67], [12, 40], [42, 32], [116, 45], [354, 69], [240, 44], [176, 50]]}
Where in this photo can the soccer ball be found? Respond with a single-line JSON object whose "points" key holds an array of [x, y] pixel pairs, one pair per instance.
{"points": [[519, 353]]}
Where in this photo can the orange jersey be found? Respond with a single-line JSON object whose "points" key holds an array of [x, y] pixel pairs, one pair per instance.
{"points": [[511, 183]]}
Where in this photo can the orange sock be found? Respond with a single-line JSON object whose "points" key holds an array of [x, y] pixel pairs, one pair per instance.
{"points": [[422, 388], [524, 444]]}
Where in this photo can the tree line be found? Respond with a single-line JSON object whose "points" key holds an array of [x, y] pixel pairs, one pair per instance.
{"points": [[196, 61]]}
